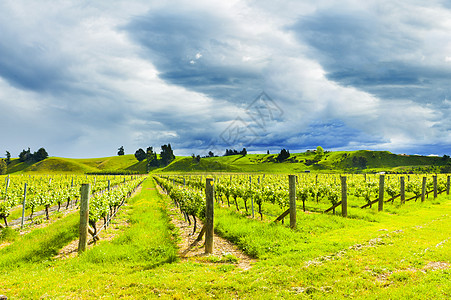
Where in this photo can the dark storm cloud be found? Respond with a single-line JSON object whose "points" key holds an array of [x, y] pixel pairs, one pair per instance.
{"points": [[197, 50], [380, 55], [83, 78]]}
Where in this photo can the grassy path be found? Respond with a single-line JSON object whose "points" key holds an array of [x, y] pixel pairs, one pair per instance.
{"points": [[402, 256]]}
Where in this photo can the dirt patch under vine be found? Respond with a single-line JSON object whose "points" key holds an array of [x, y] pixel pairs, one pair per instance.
{"points": [[189, 248]]}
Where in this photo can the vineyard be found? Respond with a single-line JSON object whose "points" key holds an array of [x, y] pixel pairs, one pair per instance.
{"points": [[320, 193], [355, 236], [22, 195]]}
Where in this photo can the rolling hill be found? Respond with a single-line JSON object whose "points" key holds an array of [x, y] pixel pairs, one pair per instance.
{"points": [[339, 161]]}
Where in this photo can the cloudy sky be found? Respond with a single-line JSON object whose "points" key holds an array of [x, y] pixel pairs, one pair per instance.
{"points": [[82, 78]]}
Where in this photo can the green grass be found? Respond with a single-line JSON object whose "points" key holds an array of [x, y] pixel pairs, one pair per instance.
{"points": [[332, 162], [58, 165], [325, 257], [40, 245], [8, 235], [147, 243]]}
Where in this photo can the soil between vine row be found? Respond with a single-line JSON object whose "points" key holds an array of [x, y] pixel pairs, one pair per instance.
{"points": [[190, 249]]}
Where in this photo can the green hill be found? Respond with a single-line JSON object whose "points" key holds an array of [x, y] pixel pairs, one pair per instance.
{"points": [[340, 161], [81, 166]]}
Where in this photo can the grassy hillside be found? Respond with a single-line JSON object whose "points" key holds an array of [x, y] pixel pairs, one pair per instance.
{"points": [[78, 166], [340, 161]]}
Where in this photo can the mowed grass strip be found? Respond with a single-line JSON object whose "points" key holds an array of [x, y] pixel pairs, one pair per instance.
{"points": [[41, 244], [148, 242]]}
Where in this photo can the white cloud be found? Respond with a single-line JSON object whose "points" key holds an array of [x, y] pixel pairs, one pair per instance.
{"points": [[83, 85]]}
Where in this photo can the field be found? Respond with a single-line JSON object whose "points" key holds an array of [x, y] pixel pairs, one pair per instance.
{"points": [[399, 253]]}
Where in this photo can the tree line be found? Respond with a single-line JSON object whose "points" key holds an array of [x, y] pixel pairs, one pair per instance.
{"points": [[166, 156], [24, 156]]}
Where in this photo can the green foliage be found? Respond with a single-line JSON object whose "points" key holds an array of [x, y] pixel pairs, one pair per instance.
{"points": [[27, 156], [319, 153], [3, 167], [401, 256], [283, 155], [152, 160], [167, 155], [120, 151], [140, 154], [235, 152], [41, 154], [8, 157], [114, 172]]}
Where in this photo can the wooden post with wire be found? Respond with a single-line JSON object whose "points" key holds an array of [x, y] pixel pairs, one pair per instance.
{"points": [[435, 186], [344, 197], [292, 195], [23, 205], [84, 217], [209, 216], [423, 189], [447, 184], [403, 190], [381, 193]]}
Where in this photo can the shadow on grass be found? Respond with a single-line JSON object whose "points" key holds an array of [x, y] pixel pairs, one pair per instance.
{"points": [[41, 244]]}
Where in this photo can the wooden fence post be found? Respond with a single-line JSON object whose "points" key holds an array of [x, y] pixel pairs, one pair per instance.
{"points": [[209, 216], [344, 197], [292, 195], [108, 213], [23, 205], [84, 217], [252, 198], [447, 184], [435, 186], [403, 190], [423, 189], [381, 192]]}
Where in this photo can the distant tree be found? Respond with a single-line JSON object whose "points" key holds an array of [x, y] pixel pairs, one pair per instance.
{"points": [[25, 155], [8, 158], [3, 167], [319, 152], [211, 154], [283, 155], [152, 160], [198, 158], [267, 152], [167, 155], [121, 151], [235, 152], [41, 154], [140, 155]]}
